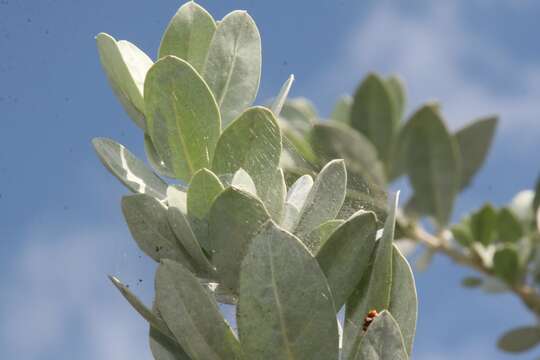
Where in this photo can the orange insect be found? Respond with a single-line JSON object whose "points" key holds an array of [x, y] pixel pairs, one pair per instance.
{"points": [[369, 318]]}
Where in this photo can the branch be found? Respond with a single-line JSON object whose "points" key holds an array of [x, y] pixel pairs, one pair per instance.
{"points": [[528, 295]]}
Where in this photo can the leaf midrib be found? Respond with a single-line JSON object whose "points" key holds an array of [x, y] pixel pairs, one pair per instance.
{"points": [[284, 332]]}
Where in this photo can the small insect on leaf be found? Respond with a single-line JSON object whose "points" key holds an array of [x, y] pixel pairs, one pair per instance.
{"points": [[371, 315]]}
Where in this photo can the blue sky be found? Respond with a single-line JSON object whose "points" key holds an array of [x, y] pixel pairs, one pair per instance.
{"points": [[61, 228]]}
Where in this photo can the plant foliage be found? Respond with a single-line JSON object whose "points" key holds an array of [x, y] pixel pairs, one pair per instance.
{"points": [[225, 227]]}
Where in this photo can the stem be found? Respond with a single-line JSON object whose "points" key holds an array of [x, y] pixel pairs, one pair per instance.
{"points": [[528, 295]]}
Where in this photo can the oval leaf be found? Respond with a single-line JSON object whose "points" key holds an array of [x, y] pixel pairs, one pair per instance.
{"points": [[372, 113], [509, 229], [126, 67], [520, 339], [153, 158], [188, 35], [382, 341], [472, 282], [345, 256], [235, 218], [483, 225], [325, 198], [182, 116], [203, 189], [432, 162], [474, 142], [299, 113], [184, 233], [131, 171], [149, 226], [381, 285], [403, 298], [506, 263], [337, 141], [253, 142], [397, 90], [241, 180], [164, 348], [318, 236], [233, 64], [281, 315], [374, 292], [193, 315], [299, 191], [342, 110]]}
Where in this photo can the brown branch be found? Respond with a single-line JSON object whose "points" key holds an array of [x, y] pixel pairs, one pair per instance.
{"points": [[528, 295]]}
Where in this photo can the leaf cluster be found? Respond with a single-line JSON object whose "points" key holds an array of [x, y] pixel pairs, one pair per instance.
{"points": [[216, 214]]}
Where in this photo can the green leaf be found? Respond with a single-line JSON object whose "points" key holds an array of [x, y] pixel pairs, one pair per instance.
{"points": [[462, 233], [279, 101], [506, 263], [275, 194], [403, 298], [509, 228], [318, 236], [372, 113], [193, 315], [471, 282], [131, 171], [148, 223], [484, 225], [191, 231], [164, 348], [297, 146], [126, 67], [233, 64], [296, 197], [342, 110], [374, 292], [235, 218], [381, 284], [337, 141], [299, 191], [252, 142], [154, 320], [345, 256], [397, 91], [299, 113], [153, 158], [177, 197], [241, 180], [182, 116], [520, 339], [474, 142], [285, 308], [382, 341], [203, 189], [432, 162], [184, 233], [188, 35], [325, 198]]}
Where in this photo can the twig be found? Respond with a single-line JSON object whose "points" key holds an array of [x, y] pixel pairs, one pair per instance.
{"points": [[528, 295]]}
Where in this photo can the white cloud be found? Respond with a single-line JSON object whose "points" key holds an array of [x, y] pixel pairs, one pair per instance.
{"points": [[61, 303], [429, 49]]}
